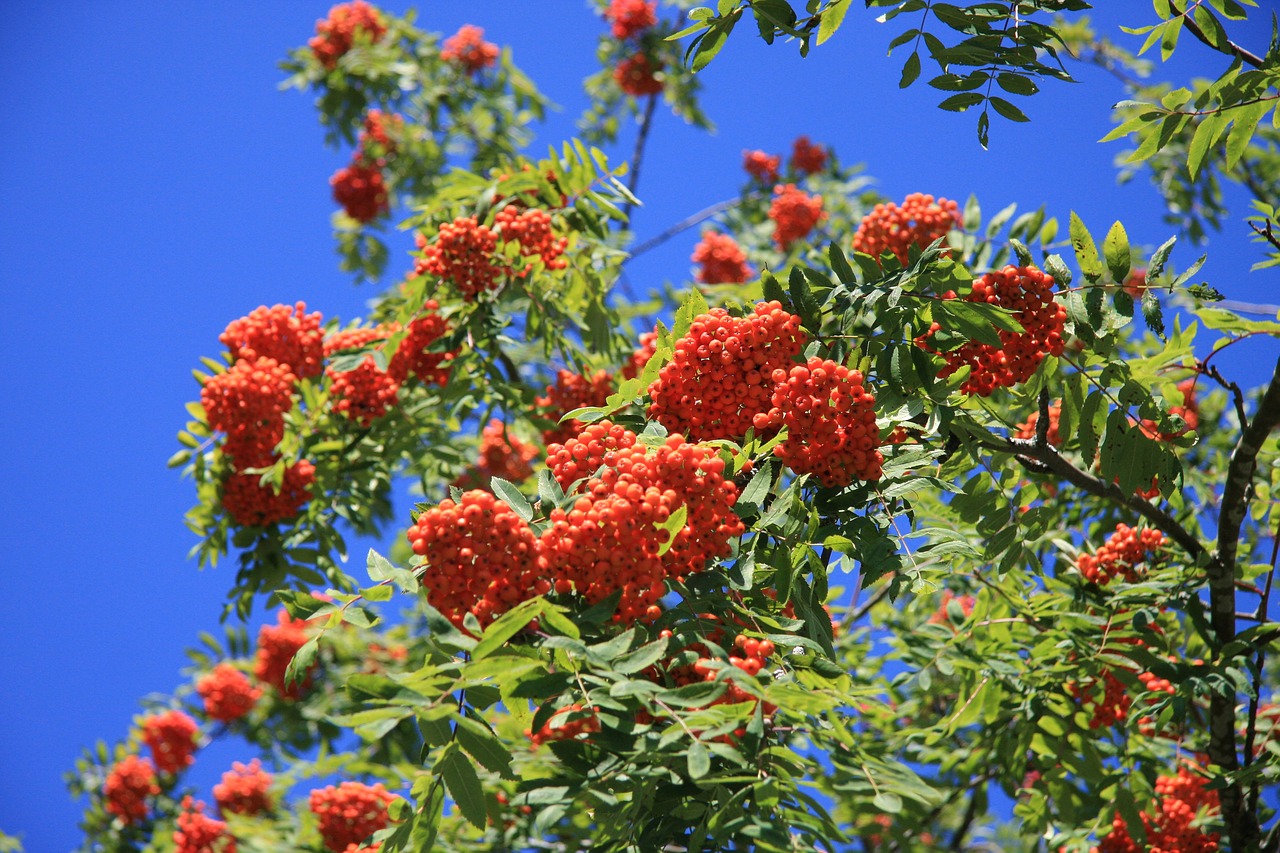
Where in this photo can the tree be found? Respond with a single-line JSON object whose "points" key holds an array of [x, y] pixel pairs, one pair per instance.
{"points": [[623, 632]]}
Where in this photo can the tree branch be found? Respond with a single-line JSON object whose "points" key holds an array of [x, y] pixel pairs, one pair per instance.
{"points": [[1231, 49], [687, 223], [637, 156]]}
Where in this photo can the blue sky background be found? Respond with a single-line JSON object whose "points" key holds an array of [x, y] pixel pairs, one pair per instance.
{"points": [[155, 184]]}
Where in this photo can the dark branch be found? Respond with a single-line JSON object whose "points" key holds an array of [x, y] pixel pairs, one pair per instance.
{"points": [[687, 223], [637, 157], [1231, 48]]}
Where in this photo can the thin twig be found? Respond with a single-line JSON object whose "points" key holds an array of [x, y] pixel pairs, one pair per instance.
{"points": [[1232, 49], [687, 223], [637, 157]]}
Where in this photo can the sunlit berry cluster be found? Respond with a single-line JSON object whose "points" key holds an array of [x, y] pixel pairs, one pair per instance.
{"points": [[250, 503], [720, 259], [480, 557], [366, 392], [171, 736], [361, 190], [462, 253], [350, 812], [807, 158], [571, 391], [248, 402], [130, 782], [228, 693], [378, 138], [794, 213], [277, 644], [199, 833], [1027, 429], [287, 334], [918, 222], [1109, 708], [584, 453], [531, 228], [636, 363], [245, 789], [1188, 410], [830, 420], [719, 383], [610, 539], [468, 49], [636, 76], [629, 18], [565, 724], [1126, 553], [1183, 801], [748, 654], [414, 356], [760, 166], [337, 34], [942, 616], [1028, 293], [502, 454]]}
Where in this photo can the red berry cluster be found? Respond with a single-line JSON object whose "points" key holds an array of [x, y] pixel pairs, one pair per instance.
{"points": [[1189, 411], [942, 615], [381, 130], [609, 539], [289, 335], [582, 455], [794, 213], [501, 455], [807, 158], [830, 420], [630, 17], [1028, 293], [636, 76], [199, 833], [252, 504], [761, 166], [1027, 429], [414, 355], [480, 557], [366, 392], [918, 222], [572, 391], [565, 724], [1124, 554], [462, 253], [747, 654], [636, 363], [468, 49], [350, 812], [277, 644], [1111, 708], [531, 228], [721, 258], [244, 789], [1184, 800], [171, 736], [336, 34], [361, 190], [227, 693], [248, 402], [720, 380], [130, 782]]}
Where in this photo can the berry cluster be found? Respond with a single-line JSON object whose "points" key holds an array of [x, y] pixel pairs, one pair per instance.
{"points": [[746, 654], [1111, 708], [1028, 293], [918, 222], [942, 616], [129, 783], [380, 132], [1124, 554], [199, 833], [501, 455], [414, 356], [807, 158], [248, 402], [565, 724], [171, 736], [1184, 800], [366, 392], [361, 190], [572, 391], [830, 420], [252, 504], [761, 166], [609, 539], [480, 557], [1189, 411], [227, 693], [636, 363], [462, 253], [1027, 429], [583, 455], [531, 228], [244, 789], [337, 34], [636, 76], [277, 644], [630, 17], [721, 258], [350, 812], [794, 213], [468, 49], [287, 334], [719, 383]]}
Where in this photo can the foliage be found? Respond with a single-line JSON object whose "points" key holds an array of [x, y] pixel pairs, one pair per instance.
{"points": [[1038, 585]]}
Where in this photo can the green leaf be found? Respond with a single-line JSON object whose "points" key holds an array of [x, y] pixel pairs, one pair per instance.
{"points": [[673, 525], [699, 760], [1159, 258], [1086, 251], [507, 626], [840, 264], [910, 71], [1152, 314], [758, 488], [832, 18], [1016, 84], [642, 658], [301, 662], [484, 746], [507, 490], [1115, 248], [961, 102], [1008, 110], [773, 291], [463, 784], [381, 569]]}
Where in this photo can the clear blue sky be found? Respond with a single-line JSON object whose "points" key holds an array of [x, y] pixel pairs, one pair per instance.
{"points": [[154, 185]]}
